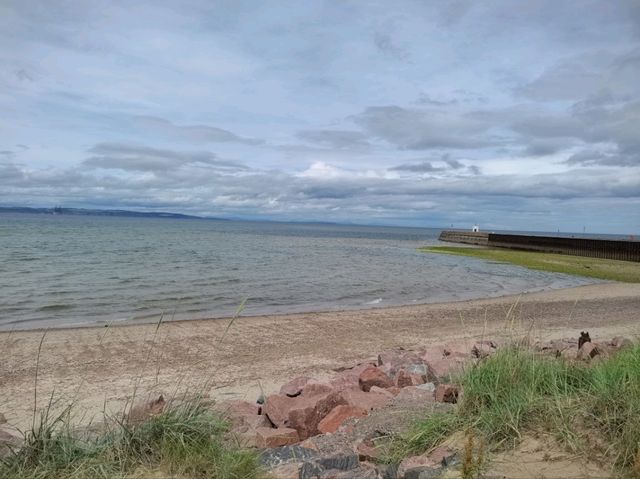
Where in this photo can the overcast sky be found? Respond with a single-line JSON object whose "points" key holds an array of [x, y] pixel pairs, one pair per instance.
{"points": [[513, 115]]}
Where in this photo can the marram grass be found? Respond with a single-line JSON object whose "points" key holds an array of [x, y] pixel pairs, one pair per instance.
{"points": [[186, 442], [517, 391], [607, 269]]}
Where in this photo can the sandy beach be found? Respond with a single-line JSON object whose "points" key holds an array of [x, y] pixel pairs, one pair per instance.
{"points": [[100, 368]]}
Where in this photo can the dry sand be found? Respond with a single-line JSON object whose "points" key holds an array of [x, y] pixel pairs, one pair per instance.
{"points": [[98, 367]]}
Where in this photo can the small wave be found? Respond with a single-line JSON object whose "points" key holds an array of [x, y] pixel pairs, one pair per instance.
{"points": [[375, 301], [56, 307]]}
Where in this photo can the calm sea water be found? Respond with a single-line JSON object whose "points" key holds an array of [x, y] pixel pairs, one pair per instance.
{"points": [[78, 270]]}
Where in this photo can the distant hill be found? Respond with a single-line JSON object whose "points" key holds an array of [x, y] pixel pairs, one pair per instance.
{"points": [[90, 212]]}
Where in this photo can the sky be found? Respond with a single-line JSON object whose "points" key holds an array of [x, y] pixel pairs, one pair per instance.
{"points": [[511, 115]]}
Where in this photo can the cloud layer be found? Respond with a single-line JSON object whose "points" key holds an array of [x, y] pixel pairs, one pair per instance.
{"points": [[420, 113]]}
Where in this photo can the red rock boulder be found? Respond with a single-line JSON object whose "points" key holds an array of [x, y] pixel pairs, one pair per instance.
{"points": [[270, 437], [338, 416], [373, 376]]}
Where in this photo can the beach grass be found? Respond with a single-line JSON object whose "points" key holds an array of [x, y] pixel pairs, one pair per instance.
{"points": [[187, 441], [607, 269], [590, 410]]}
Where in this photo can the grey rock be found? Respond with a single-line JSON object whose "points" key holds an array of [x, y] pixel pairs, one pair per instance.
{"points": [[423, 473], [278, 456], [317, 467], [388, 471], [427, 387]]}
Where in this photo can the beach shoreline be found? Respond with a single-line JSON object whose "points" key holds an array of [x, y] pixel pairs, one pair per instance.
{"points": [[99, 368]]}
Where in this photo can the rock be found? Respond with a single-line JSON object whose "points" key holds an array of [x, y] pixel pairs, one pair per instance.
{"points": [[459, 349], [587, 351], [269, 437], [412, 467], [483, 349], [368, 452], [240, 408], [302, 413], [405, 378], [286, 471], [145, 411], [620, 342], [362, 472], [278, 456], [328, 466], [348, 378], [443, 455], [367, 401], [372, 376], [294, 387], [315, 388], [414, 394], [445, 368], [447, 393], [3, 420], [338, 416], [392, 361], [390, 392], [387, 471]]}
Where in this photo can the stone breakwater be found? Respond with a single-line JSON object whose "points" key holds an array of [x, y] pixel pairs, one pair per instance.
{"points": [[313, 429]]}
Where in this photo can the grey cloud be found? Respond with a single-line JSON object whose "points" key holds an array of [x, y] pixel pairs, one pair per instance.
{"points": [[423, 167], [601, 158], [385, 44], [200, 133], [418, 129], [142, 158], [339, 139]]}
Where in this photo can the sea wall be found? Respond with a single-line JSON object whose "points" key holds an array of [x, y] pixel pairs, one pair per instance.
{"points": [[466, 237], [595, 248]]}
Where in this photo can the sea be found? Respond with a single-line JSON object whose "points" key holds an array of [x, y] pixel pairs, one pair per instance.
{"points": [[64, 270]]}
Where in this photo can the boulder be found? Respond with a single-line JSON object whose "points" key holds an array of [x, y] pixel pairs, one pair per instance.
{"points": [[373, 376], [394, 360], [286, 471], [413, 467], [587, 351], [367, 451], [269, 437], [414, 394], [483, 349], [405, 378], [363, 400], [620, 342], [448, 393], [389, 392], [460, 349], [302, 413], [330, 466], [443, 455], [349, 378], [279, 456], [147, 410], [444, 368], [338, 416], [294, 387]]}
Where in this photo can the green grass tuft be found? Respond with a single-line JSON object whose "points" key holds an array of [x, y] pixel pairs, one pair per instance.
{"points": [[517, 391], [186, 441], [608, 269]]}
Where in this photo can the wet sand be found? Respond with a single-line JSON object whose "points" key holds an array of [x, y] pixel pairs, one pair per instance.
{"points": [[100, 368]]}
